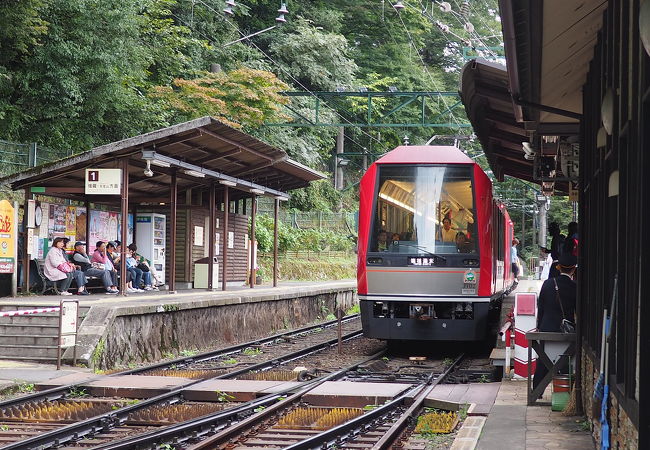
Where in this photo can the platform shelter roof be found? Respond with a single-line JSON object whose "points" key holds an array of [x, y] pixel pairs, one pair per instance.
{"points": [[200, 152]]}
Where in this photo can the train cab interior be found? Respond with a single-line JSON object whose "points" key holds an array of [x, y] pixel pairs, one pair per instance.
{"points": [[424, 210]]}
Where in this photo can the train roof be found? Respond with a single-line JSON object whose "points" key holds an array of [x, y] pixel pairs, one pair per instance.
{"points": [[425, 154]]}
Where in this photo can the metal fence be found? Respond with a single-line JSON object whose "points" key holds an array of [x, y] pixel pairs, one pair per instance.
{"points": [[308, 254], [345, 222], [16, 157]]}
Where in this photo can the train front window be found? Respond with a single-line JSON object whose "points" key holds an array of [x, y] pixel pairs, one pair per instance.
{"points": [[424, 210]]}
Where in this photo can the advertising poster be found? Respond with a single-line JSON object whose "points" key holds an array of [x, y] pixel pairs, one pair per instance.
{"points": [[129, 230], [112, 231], [71, 225], [44, 228], [7, 236], [58, 216], [98, 226], [80, 225]]}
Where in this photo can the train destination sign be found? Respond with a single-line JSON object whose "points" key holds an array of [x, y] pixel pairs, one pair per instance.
{"points": [[422, 261]]}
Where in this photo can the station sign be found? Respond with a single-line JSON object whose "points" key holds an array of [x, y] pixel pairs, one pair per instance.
{"points": [[69, 317], [103, 182], [7, 237]]}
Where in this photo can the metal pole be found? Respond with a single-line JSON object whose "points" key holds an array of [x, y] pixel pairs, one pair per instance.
{"points": [[226, 213], [124, 209], [276, 207], [212, 231], [172, 239], [58, 341], [87, 205], [542, 223], [252, 239], [26, 258], [14, 274], [338, 171]]}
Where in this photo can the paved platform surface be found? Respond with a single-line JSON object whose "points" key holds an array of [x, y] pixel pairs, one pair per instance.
{"points": [[15, 373], [513, 424], [235, 294]]}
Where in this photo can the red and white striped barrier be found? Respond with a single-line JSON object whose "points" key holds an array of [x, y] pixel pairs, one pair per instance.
{"points": [[26, 312], [525, 320]]}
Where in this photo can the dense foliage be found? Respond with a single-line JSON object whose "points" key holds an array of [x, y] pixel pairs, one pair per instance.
{"points": [[79, 73]]}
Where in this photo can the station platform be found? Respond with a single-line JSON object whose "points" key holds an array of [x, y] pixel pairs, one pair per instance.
{"points": [[512, 423], [116, 330]]}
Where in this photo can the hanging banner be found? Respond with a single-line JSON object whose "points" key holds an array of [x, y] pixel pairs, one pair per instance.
{"points": [[7, 238]]}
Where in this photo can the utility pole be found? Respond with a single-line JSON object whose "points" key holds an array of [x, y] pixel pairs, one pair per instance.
{"points": [[338, 170]]}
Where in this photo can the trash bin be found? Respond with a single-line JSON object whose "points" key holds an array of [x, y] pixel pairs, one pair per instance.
{"points": [[201, 273]]}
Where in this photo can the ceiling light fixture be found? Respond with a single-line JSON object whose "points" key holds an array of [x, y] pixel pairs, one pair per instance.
{"points": [[157, 162], [257, 191], [194, 173], [227, 183]]}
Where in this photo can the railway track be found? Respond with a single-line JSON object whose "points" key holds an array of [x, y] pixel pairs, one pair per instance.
{"points": [[57, 417], [300, 426]]}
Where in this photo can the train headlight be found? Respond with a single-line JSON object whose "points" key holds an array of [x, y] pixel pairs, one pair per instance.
{"points": [[375, 260], [470, 262]]}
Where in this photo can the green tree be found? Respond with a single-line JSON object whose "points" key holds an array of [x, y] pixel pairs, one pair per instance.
{"points": [[241, 97]]}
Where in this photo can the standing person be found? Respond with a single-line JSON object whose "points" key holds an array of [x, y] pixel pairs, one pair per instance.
{"points": [[447, 234], [514, 259], [556, 247], [81, 260], [556, 301], [58, 268], [571, 242], [546, 261]]}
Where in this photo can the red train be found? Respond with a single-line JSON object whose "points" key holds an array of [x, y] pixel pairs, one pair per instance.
{"points": [[434, 246]]}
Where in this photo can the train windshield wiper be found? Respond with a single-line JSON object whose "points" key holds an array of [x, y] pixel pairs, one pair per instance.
{"points": [[423, 249]]}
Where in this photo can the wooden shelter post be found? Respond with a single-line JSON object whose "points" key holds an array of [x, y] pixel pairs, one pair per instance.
{"points": [[252, 239], [276, 207], [124, 210], [172, 229], [87, 206], [226, 213], [212, 230]]}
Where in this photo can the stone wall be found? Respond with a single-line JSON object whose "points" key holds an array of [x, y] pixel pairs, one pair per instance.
{"points": [[624, 434], [119, 336]]}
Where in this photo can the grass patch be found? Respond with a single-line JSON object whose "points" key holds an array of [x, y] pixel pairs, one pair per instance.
{"points": [[312, 269]]}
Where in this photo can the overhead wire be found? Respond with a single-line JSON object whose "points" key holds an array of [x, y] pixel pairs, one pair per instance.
{"points": [[424, 65], [279, 66]]}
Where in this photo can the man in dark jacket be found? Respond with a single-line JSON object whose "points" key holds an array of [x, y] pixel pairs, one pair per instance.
{"points": [[81, 260], [557, 244], [549, 311]]}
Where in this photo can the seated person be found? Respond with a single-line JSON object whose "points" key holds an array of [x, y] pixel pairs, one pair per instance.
{"points": [[446, 233], [395, 237], [82, 261], [148, 271], [382, 241], [57, 269], [134, 272], [462, 244]]}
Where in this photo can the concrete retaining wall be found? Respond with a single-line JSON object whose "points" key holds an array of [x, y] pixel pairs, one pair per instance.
{"points": [[113, 336]]}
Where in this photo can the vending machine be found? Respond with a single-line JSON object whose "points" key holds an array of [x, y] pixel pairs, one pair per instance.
{"points": [[150, 239]]}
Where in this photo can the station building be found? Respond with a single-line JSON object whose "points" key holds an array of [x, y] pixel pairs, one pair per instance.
{"points": [[576, 89], [184, 194]]}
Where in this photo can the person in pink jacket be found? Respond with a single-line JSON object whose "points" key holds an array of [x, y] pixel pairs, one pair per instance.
{"points": [[101, 256], [57, 269]]}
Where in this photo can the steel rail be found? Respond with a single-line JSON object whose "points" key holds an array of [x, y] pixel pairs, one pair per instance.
{"points": [[239, 415], [60, 392], [387, 441], [333, 436], [118, 417]]}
